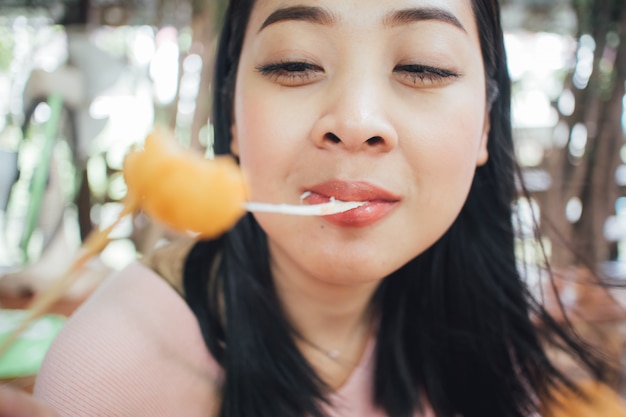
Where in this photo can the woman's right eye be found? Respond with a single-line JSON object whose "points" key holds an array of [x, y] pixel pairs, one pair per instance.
{"points": [[291, 73]]}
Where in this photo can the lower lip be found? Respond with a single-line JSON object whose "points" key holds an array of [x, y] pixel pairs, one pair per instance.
{"points": [[367, 214]]}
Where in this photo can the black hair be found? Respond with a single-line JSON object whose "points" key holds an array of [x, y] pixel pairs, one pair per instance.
{"points": [[457, 325]]}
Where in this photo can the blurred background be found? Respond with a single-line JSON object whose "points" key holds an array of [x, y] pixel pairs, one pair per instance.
{"points": [[82, 81]]}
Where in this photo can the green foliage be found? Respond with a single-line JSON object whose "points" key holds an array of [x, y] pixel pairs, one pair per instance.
{"points": [[6, 49]]}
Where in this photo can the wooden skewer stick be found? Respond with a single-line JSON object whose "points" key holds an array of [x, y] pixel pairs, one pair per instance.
{"points": [[93, 244]]}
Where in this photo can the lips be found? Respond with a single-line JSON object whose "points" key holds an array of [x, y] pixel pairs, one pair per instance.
{"points": [[379, 201]]}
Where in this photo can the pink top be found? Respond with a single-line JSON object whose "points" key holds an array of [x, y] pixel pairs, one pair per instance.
{"points": [[146, 357]]}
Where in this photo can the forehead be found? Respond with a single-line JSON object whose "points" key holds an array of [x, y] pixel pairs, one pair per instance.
{"points": [[368, 14]]}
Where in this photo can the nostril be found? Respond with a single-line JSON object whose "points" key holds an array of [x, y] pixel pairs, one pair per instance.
{"points": [[374, 140], [332, 137]]}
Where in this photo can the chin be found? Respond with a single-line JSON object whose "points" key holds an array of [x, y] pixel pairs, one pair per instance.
{"points": [[357, 271]]}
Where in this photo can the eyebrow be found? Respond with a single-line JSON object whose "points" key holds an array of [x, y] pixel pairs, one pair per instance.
{"points": [[416, 14], [316, 15], [321, 16]]}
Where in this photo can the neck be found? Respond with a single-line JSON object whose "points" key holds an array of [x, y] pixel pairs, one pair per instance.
{"points": [[325, 313], [331, 317]]}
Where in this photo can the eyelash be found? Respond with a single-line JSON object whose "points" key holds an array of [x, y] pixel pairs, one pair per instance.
{"points": [[425, 74], [290, 72], [295, 73]]}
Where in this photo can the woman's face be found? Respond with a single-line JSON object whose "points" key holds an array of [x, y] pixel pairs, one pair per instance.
{"points": [[366, 100]]}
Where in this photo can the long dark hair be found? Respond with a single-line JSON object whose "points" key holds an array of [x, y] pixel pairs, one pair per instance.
{"points": [[457, 325]]}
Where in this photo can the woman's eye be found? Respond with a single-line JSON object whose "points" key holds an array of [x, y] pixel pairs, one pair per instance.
{"points": [[291, 73], [424, 75]]}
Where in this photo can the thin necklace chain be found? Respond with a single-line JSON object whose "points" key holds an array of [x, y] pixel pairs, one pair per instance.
{"points": [[332, 354], [335, 354]]}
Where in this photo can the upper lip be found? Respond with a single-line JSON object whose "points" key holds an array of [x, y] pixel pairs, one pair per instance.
{"points": [[352, 191]]}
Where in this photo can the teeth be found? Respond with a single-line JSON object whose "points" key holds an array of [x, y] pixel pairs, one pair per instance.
{"points": [[304, 195], [308, 193]]}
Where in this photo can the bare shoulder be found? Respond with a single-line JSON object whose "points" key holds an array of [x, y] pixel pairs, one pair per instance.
{"points": [[133, 348]]}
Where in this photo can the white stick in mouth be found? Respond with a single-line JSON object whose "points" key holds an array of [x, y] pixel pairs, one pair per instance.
{"points": [[324, 209]]}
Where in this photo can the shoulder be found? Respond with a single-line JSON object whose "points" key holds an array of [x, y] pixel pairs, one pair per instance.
{"points": [[168, 261], [133, 348]]}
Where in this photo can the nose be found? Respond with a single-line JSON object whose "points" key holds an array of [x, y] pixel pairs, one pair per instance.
{"points": [[354, 118]]}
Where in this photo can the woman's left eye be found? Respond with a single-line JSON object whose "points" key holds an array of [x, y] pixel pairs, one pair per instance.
{"points": [[424, 75]]}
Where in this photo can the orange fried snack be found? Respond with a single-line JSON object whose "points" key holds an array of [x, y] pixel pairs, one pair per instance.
{"points": [[183, 190], [598, 401], [173, 186]]}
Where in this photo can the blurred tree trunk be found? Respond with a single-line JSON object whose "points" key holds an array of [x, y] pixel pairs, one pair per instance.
{"points": [[586, 170], [204, 24], [205, 27]]}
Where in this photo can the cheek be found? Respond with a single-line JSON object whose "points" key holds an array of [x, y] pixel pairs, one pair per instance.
{"points": [[252, 125], [256, 123], [443, 162], [447, 144], [270, 141]]}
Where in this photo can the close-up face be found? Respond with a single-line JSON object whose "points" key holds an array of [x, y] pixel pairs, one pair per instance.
{"points": [[364, 100]]}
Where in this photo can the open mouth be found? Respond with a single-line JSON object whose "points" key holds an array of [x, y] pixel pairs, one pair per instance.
{"points": [[374, 203], [347, 191]]}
